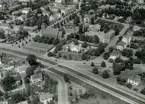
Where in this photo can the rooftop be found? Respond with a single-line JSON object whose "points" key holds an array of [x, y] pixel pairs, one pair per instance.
{"points": [[45, 96]]}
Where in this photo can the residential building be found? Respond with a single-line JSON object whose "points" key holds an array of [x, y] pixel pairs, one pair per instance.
{"points": [[115, 54], [140, 1], [26, 10], [109, 36], [127, 39], [8, 67], [121, 45], [95, 28], [37, 77], [136, 28], [21, 69], [23, 102], [4, 102], [2, 74], [45, 98], [29, 28], [134, 80]]}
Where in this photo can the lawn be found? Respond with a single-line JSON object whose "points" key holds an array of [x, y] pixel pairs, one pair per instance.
{"points": [[38, 47]]}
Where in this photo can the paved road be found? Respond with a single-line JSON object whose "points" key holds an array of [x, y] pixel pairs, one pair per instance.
{"points": [[62, 87], [88, 78]]}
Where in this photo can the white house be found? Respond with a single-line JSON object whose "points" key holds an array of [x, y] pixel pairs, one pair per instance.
{"points": [[121, 45], [8, 67], [127, 39], [134, 80], [136, 28], [45, 98], [114, 54], [37, 77], [23, 102], [26, 10]]}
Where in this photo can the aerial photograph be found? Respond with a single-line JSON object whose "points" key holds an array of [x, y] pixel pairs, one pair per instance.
{"points": [[72, 51]]}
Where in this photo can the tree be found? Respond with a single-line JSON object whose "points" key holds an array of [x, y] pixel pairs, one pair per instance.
{"points": [[103, 64], [96, 39], [142, 91], [85, 44], [111, 49], [92, 64], [18, 98], [106, 56], [2, 36], [59, 11], [56, 41], [127, 52], [32, 59], [30, 70], [105, 75], [76, 21], [118, 60], [84, 56], [66, 79], [50, 54], [95, 70], [9, 83]]}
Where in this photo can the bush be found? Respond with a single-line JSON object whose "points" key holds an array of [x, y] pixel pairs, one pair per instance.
{"points": [[137, 61], [92, 64], [105, 75], [106, 56], [95, 70], [116, 72], [103, 64]]}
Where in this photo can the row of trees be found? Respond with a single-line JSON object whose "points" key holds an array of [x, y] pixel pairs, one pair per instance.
{"points": [[46, 40], [91, 39], [139, 33]]}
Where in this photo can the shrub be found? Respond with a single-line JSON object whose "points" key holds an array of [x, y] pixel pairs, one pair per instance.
{"points": [[95, 70], [103, 64], [50, 54], [105, 75], [92, 64]]}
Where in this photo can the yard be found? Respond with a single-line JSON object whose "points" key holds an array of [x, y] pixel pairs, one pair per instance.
{"points": [[38, 47]]}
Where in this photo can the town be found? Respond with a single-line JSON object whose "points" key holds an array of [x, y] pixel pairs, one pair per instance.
{"points": [[72, 52]]}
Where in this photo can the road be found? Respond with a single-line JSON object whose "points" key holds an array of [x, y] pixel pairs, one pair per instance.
{"points": [[88, 78], [62, 87]]}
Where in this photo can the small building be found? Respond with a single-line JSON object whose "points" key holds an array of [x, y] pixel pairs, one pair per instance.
{"points": [[109, 36], [29, 28], [8, 67], [37, 77], [94, 28], [26, 10], [21, 69], [121, 45], [136, 28], [23, 102], [115, 54], [127, 39], [134, 80], [45, 98]]}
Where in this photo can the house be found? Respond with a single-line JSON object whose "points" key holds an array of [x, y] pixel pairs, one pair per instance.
{"points": [[87, 19], [37, 77], [121, 45], [136, 28], [127, 39], [109, 36], [134, 80], [45, 98], [2, 74], [8, 67], [75, 48], [21, 69], [115, 54], [23, 102], [51, 32], [26, 10], [94, 28], [29, 28], [140, 1]]}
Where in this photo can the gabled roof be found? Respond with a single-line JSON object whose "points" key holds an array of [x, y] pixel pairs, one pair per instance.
{"points": [[36, 76], [115, 53], [121, 43], [45, 96], [135, 78]]}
